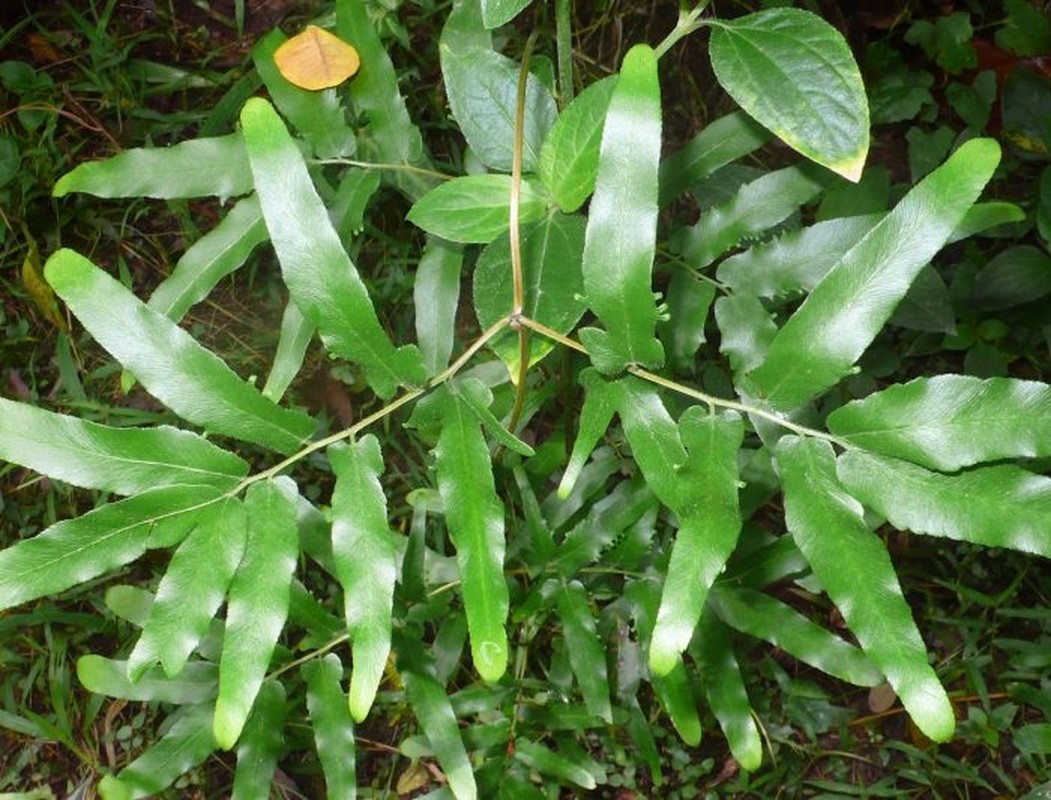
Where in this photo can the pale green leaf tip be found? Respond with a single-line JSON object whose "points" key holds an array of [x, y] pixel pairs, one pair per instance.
{"points": [[662, 659], [112, 789], [359, 701], [226, 726], [491, 660], [852, 169]]}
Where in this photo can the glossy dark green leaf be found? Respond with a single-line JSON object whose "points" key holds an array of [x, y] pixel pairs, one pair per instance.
{"points": [[762, 616], [755, 208], [168, 362], [390, 136], [76, 550], [432, 708], [292, 344], [569, 158], [747, 330], [586, 653], [676, 696], [197, 683], [436, 294], [261, 744], [709, 523], [951, 421], [257, 606], [482, 87], [194, 168], [548, 762], [119, 460], [720, 142], [365, 556], [600, 403], [927, 306], [725, 690], [836, 323], [621, 233], [211, 258], [855, 569], [998, 506], [1019, 274], [552, 251], [192, 589], [186, 744], [333, 726], [475, 518], [318, 116], [795, 74], [689, 301], [476, 208], [317, 270]]}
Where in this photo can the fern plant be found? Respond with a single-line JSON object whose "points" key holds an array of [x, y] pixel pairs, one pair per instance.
{"points": [[624, 554]]}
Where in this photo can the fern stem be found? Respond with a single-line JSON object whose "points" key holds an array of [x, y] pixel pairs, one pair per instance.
{"points": [[349, 162]]}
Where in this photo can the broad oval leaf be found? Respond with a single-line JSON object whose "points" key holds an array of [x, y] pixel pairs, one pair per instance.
{"points": [[187, 743], [836, 323], [432, 708], [170, 364], [261, 744], [499, 12], [998, 506], [365, 556], [951, 421], [315, 59], [333, 726], [1018, 275], [621, 236], [570, 156], [795, 74], [191, 590], [197, 683], [586, 653], [855, 569], [317, 270], [257, 606], [119, 460], [211, 258], [552, 250], [195, 168], [709, 524], [76, 550], [482, 87], [476, 208]]}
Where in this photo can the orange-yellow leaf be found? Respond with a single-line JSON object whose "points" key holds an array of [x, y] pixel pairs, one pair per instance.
{"points": [[315, 59], [41, 293]]}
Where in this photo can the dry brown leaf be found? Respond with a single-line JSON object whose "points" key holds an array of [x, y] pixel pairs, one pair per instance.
{"points": [[315, 59]]}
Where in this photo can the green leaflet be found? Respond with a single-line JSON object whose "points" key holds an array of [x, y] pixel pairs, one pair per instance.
{"points": [[333, 726], [622, 224], [475, 518], [192, 589], [997, 506], [197, 683], [195, 168], [552, 251], [186, 744], [794, 73], [432, 708], [365, 553], [292, 344], [548, 762], [569, 158], [499, 12], [709, 523], [211, 258], [119, 460], [724, 687], [595, 416], [317, 116], [689, 301], [747, 330], [192, 381], [836, 323], [762, 616], [654, 439], [257, 606], [476, 208], [261, 744], [856, 571], [482, 87], [1018, 275], [586, 653], [390, 137], [477, 397], [720, 142], [755, 208], [951, 421], [676, 696], [317, 270], [76, 550], [436, 293]]}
